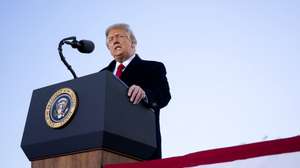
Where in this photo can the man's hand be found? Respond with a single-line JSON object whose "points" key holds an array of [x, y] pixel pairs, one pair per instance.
{"points": [[136, 94]]}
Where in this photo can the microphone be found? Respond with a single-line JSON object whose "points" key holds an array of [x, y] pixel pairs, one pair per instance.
{"points": [[83, 46]]}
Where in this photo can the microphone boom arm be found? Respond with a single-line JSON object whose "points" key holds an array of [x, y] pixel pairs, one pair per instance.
{"points": [[63, 59]]}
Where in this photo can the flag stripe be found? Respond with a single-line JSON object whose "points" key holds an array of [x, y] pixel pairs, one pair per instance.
{"points": [[273, 147], [287, 160]]}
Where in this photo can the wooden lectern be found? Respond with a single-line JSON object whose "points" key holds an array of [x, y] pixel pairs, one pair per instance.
{"points": [[104, 129]]}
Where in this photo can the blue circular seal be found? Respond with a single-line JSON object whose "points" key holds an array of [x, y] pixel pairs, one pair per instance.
{"points": [[61, 107]]}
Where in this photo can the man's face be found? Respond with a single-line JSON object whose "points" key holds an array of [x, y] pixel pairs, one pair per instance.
{"points": [[119, 44]]}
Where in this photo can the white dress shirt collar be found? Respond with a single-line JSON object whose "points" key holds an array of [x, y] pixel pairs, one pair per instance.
{"points": [[125, 63]]}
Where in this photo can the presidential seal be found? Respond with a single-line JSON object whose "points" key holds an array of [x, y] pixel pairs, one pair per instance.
{"points": [[61, 107]]}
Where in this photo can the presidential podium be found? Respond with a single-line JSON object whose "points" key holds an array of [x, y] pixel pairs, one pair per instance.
{"points": [[99, 126]]}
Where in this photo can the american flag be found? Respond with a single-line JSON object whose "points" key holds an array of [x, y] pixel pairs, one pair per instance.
{"points": [[279, 153]]}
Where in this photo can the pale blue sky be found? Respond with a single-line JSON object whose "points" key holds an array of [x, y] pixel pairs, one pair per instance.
{"points": [[233, 66]]}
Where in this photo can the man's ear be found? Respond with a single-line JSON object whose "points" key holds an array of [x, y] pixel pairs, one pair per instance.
{"points": [[133, 45]]}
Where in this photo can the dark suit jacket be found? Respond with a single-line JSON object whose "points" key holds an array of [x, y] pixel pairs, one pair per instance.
{"points": [[151, 77]]}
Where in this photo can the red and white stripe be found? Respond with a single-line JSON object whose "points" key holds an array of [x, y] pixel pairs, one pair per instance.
{"points": [[280, 153]]}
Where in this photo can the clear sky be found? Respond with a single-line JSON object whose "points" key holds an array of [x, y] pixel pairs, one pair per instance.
{"points": [[233, 66]]}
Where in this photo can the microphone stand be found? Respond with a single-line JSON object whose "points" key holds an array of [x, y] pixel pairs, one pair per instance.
{"points": [[63, 59]]}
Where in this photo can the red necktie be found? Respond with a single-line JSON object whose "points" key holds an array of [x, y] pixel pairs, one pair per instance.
{"points": [[120, 70]]}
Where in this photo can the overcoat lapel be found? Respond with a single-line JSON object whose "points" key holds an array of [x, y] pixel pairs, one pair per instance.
{"points": [[130, 69]]}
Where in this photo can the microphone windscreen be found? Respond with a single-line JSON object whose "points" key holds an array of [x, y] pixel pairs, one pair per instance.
{"points": [[86, 46]]}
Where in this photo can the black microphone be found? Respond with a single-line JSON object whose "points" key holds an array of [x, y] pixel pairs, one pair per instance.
{"points": [[83, 46]]}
